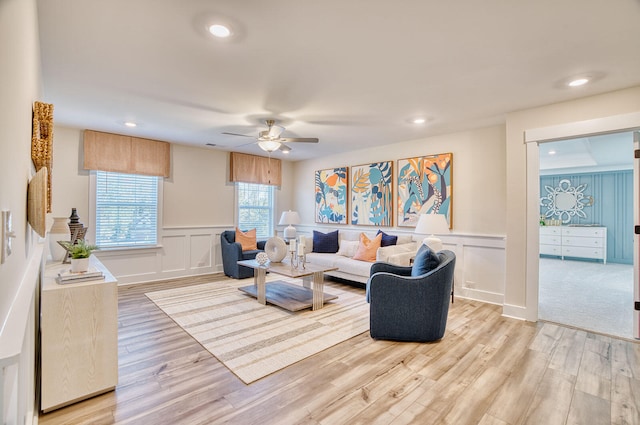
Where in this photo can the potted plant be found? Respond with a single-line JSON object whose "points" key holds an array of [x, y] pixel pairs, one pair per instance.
{"points": [[80, 253]]}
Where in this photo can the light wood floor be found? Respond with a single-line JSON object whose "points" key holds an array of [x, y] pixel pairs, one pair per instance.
{"points": [[487, 370]]}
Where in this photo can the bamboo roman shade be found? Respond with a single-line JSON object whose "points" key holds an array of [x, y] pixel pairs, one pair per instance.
{"points": [[255, 169], [125, 154]]}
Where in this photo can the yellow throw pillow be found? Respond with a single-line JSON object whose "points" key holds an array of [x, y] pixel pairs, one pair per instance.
{"points": [[247, 239], [368, 247]]}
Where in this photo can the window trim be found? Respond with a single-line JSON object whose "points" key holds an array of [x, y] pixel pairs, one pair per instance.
{"points": [[236, 208], [91, 232]]}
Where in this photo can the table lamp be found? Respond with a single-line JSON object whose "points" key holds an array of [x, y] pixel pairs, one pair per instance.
{"points": [[289, 218], [432, 224]]}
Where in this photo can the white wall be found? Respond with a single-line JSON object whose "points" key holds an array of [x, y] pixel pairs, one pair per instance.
{"points": [[20, 76], [479, 201], [520, 299], [198, 204], [479, 185]]}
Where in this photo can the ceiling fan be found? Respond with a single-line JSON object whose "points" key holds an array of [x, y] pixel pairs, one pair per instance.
{"points": [[269, 140]]}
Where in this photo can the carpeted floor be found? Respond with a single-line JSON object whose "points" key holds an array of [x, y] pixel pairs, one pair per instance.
{"points": [[254, 340], [588, 295]]}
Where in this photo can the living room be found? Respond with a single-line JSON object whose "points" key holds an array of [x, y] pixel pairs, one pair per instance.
{"points": [[495, 241]]}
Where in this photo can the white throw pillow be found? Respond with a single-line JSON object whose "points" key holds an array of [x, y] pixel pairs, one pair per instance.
{"points": [[347, 248]]}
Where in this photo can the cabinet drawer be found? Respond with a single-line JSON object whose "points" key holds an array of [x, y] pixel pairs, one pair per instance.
{"points": [[550, 249], [585, 242], [549, 240], [550, 230], [575, 251], [584, 231]]}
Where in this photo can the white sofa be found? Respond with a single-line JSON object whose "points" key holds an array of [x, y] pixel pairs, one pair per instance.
{"points": [[357, 270]]}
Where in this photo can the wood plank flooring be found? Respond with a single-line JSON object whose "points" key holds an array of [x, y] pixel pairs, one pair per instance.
{"points": [[487, 370]]}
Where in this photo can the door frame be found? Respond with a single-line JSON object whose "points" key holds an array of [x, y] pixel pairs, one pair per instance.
{"points": [[532, 139]]}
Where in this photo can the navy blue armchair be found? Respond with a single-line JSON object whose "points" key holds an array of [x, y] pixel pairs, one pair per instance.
{"points": [[232, 253], [406, 308]]}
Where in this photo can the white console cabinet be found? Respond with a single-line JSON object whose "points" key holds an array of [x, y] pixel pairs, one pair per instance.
{"points": [[579, 242], [79, 337]]}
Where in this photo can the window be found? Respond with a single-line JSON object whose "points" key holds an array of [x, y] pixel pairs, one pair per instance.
{"points": [[255, 208], [126, 209]]}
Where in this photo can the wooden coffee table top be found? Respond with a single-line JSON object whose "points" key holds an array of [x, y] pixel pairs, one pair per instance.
{"points": [[285, 268]]}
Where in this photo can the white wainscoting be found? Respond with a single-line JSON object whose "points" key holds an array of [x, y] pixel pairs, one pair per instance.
{"points": [[18, 348], [189, 251], [183, 251], [480, 260], [480, 266]]}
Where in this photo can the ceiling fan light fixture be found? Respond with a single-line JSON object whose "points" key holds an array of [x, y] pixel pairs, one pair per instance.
{"points": [[269, 145]]}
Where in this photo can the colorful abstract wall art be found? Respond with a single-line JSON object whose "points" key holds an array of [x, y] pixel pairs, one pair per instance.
{"points": [[372, 194], [425, 187], [331, 195]]}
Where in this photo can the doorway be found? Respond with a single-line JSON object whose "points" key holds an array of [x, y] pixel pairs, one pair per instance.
{"points": [[590, 284]]}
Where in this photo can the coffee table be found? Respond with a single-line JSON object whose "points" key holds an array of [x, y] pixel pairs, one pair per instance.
{"points": [[286, 295]]}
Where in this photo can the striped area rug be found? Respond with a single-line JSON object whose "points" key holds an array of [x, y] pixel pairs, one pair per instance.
{"points": [[254, 340]]}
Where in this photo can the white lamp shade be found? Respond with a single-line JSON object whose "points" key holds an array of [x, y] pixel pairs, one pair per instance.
{"points": [[289, 218], [432, 224]]}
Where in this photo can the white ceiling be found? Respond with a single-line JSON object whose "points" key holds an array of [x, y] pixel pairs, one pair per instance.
{"points": [[588, 154], [351, 73]]}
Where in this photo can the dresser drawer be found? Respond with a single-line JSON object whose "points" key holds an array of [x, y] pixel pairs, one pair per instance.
{"points": [[550, 249], [550, 230], [584, 231], [585, 242], [575, 251], [550, 240]]}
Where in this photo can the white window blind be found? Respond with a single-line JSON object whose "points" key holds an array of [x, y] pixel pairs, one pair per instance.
{"points": [[126, 209], [256, 208]]}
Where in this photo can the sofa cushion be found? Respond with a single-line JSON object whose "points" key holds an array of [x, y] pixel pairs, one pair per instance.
{"points": [[247, 239], [348, 248], [353, 267], [325, 242], [425, 261], [387, 239], [368, 248], [386, 252], [324, 260]]}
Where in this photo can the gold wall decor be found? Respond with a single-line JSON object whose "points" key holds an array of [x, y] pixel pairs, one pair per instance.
{"points": [[42, 141]]}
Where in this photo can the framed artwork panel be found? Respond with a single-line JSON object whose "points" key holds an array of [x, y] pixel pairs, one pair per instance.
{"points": [[331, 195], [425, 186], [372, 194]]}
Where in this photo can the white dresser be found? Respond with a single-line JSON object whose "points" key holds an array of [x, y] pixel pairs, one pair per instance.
{"points": [[579, 242], [79, 337]]}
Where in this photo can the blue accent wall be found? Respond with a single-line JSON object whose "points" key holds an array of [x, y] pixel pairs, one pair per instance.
{"points": [[612, 192]]}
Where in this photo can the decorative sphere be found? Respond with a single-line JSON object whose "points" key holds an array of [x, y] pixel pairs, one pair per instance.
{"points": [[262, 258]]}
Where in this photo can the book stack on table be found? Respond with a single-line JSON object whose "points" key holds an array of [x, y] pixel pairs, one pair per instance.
{"points": [[67, 276]]}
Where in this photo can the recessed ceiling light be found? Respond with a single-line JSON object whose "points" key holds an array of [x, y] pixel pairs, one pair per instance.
{"points": [[130, 124], [219, 31], [552, 152], [578, 82], [418, 120]]}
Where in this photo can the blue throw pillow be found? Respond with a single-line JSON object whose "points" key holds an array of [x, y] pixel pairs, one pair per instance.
{"points": [[387, 239], [425, 261], [326, 243]]}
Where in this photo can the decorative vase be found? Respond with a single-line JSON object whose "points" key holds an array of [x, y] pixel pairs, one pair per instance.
{"points": [[276, 249], [79, 265]]}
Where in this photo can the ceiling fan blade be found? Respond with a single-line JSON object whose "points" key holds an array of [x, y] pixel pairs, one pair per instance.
{"points": [[284, 148], [299, 139], [236, 134], [275, 131]]}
